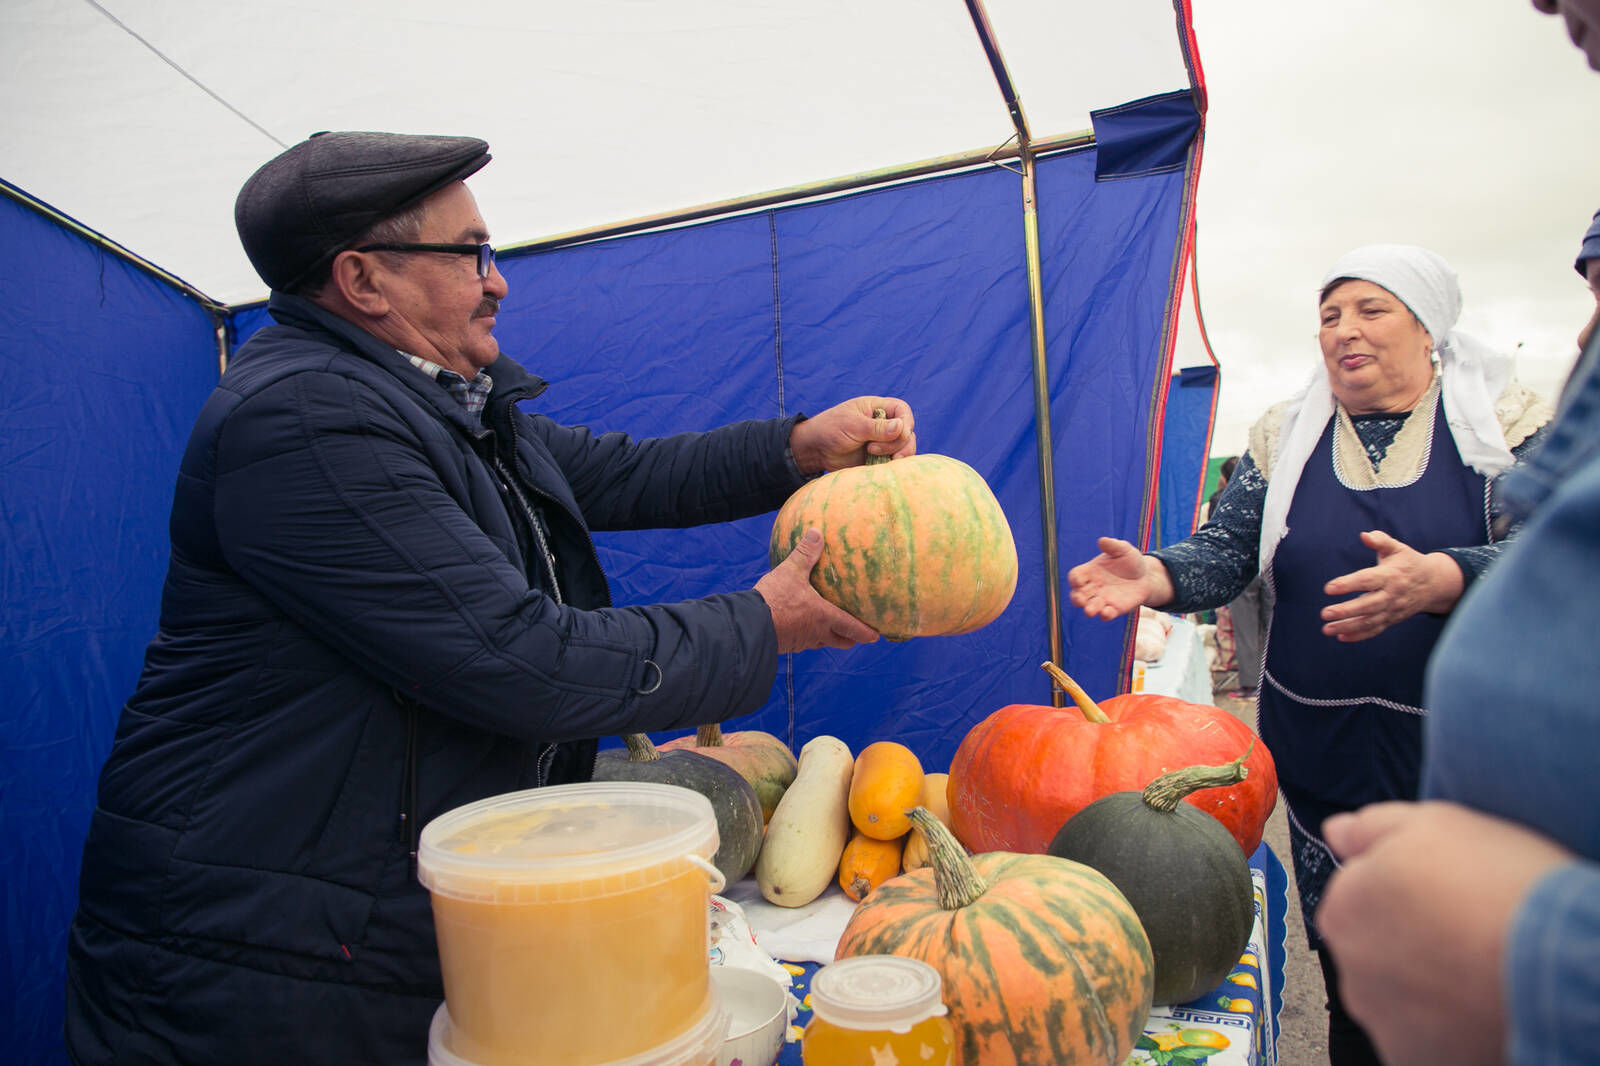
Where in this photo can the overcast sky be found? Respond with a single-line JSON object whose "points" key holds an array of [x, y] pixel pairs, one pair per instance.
{"points": [[1466, 126]]}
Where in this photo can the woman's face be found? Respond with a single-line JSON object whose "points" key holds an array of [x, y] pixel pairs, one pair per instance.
{"points": [[1376, 352]]}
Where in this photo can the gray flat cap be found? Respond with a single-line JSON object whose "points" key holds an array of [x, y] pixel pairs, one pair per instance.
{"points": [[307, 204]]}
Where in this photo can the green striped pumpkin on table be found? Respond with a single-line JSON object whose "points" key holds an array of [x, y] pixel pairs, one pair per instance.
{"points": [[1044, 962], [913, 547]]}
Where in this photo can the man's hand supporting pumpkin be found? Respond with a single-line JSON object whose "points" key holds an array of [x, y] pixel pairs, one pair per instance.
{"points": [[847, 433], [843, 435], [802, 619]]}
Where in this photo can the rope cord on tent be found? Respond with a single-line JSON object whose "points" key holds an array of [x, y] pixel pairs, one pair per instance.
{"points": [[1194, 290], [778, 367], [777, 308], [125, 28]]}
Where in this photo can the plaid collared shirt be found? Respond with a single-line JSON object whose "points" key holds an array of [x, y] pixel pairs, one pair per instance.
{"points": [[471, 395]]}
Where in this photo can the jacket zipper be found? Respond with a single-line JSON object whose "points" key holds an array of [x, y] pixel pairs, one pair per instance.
{"points": [[408, 787], [507, 474], [531, 513], [594, 556], [547, 755]]}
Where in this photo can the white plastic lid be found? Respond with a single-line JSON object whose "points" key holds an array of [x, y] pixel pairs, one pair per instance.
{"points": [[565, 842], [877, 992], [696, 1045]]}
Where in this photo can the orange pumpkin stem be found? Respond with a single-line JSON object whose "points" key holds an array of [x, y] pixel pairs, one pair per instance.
{"points": [[639, 748], [709, 736], [1091, 710], [954, 877], [1168, 790]]}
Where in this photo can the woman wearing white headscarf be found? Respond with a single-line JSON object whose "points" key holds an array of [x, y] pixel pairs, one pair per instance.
{"points": [[1365, 503]]}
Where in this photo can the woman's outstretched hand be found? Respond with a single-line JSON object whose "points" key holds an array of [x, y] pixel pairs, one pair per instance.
{"points": [[1118, 580]]}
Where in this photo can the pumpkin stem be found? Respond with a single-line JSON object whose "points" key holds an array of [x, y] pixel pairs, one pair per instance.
{"points": [[878, 415], [1168, 790], [708, 736], [955, 878], [639, 748], [1091, 710]]}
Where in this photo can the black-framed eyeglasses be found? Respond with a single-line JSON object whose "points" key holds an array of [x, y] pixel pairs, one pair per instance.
{"points": [[484, 252]]}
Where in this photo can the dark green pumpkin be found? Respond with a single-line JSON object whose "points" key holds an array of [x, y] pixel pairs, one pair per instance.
{"points": [[733, 799], [1184, 873]]}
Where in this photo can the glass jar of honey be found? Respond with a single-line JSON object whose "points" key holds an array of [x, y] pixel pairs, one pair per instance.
{"points": [[876, 1009]]}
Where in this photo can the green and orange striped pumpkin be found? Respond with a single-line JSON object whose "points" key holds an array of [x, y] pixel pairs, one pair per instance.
{"points": [[1044, 961], [914, 547], [761, 759]]}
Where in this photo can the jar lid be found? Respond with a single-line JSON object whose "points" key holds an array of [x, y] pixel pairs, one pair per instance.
{"points": [[877, 992]]}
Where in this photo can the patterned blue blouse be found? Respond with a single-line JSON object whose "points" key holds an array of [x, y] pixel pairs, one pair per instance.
{"points": [[1212, 566]]}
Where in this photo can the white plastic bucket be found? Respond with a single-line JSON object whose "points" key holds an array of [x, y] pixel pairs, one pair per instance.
{"points": [[572, 921], [695, 1046]]}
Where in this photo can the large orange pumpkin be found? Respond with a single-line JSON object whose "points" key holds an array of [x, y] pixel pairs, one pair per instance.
{"points": [[1044, 962], [914, 547], [1019, 774]]}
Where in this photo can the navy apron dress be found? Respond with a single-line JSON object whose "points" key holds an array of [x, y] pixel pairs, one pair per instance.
{"points": [[1344, 721]]}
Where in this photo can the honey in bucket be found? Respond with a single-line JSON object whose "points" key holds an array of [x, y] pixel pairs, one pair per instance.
{"points": [[572, 921]]}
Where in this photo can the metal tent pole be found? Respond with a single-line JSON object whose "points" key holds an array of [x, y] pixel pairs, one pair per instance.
{"points": [[1041, 377], [796, 193], [215, 308]]}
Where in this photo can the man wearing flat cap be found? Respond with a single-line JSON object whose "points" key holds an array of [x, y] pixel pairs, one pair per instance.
{"points": [[383, 603]]}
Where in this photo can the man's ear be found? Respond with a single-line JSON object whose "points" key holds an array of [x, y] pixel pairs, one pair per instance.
{"points": [[357, 282]]}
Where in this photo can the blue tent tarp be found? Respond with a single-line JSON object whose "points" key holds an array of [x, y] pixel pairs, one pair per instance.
{"points": [[1185, 442], [107, 367]]}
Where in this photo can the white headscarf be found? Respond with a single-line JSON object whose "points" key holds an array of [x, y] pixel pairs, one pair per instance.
{"points": [[1472, 377]]}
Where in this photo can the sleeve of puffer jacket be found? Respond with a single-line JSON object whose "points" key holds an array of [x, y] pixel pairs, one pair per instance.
{"points": [[688, 479], [328, 506]]}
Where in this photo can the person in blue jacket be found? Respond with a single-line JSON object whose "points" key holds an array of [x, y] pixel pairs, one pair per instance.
{"points": [[383, 602], [1469, 924]]}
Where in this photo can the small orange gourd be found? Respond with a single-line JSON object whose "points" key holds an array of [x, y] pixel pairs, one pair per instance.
{"points": [[934, 789], [885, 784], [867, 863]]}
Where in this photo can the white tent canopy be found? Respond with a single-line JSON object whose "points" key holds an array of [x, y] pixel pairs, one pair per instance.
{"points": [[141, 118]]}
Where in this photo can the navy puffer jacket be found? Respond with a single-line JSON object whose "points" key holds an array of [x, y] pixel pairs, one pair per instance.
{"points": [[357, 634]]}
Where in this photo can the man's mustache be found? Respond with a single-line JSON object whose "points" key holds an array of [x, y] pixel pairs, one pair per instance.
{"points": [[488, 308]]}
